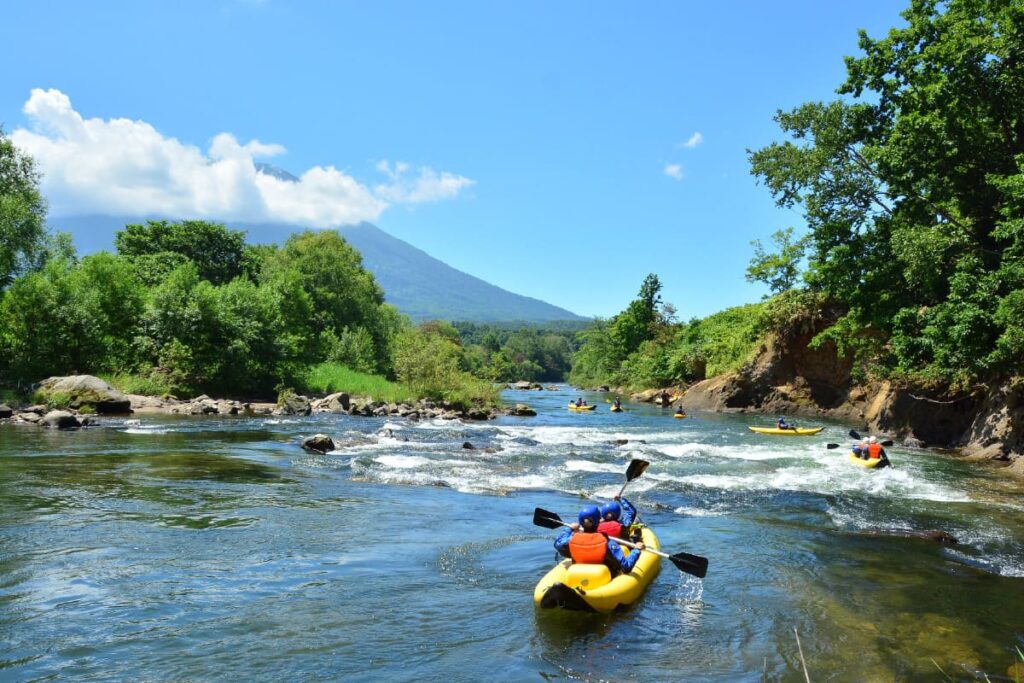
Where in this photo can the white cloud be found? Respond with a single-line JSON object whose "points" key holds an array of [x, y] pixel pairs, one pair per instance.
{"points": [[694, 140], [674, 171], [126, 167]]}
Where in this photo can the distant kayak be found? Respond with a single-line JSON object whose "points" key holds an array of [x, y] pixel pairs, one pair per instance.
{"points": [[800, 431], [870, 463], [679, 416], [573, 406], [616, 409], [591, 587]]}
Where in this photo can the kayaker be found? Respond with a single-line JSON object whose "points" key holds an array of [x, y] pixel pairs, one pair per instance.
{"points": [[617, 403], [616, 517], [782, 424], [664, 399], [680, 412], [870, 449], [579, 402], [586, 545]]}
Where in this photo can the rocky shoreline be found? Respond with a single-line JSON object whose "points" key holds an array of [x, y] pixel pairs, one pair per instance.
{"points": [[75, 400], [788, 377]]}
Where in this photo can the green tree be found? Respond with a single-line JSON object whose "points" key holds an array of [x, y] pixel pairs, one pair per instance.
{"points": [[781, 269], [908, 188], [217, 251], [636, 324], [22, 213]]}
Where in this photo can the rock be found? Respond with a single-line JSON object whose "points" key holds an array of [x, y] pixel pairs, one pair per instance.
{"points": [[523, 410], [5, 411], [911, 442], [60, 419], [86, 391], [520, 386], [30, 417], [318, 443], [468, 446], [943, 537], [339, 402], [293, 404], [478, 414], [604, 388]]}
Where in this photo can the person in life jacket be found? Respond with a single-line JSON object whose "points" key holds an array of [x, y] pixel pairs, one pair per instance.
{"points": [[617, 403], [616, 517], [869, 450], [782, 424], [586, 545]]}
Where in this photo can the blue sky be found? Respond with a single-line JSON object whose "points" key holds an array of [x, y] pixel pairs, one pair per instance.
{"points": [[541, 146]]}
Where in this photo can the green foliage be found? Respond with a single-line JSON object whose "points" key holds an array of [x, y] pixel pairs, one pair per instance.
{"points": [[635, 325], [144, 381], [780, 270], [913, 192], [506, 353], [328, 378], [431, 364], [216, 251], [22, 214]]}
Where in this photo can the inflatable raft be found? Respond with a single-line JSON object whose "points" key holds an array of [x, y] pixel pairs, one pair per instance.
{"points": [[591, 588], [616, 409], [573, 406], [800, 431], [870, 463]]}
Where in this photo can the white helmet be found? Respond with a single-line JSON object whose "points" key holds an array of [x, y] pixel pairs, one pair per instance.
{"points": [[872, 440]]}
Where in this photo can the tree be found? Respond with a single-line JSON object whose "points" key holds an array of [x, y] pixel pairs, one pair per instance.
{"points": [[778, 270], [162, 246], [636, 324], [22, 214], [908, 188]]}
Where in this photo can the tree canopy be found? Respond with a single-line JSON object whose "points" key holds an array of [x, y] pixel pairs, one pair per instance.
{"points": [[910, 186]]}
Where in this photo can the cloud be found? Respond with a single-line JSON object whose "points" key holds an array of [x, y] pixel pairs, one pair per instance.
{"points": [[694, 140], [126, 167], [674, 171]]}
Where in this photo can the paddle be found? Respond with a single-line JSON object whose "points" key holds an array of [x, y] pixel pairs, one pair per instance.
{"points": [[888, 442], [691, 564], [635, 469]]}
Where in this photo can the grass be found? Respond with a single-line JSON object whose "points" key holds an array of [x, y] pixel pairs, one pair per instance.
{"points": [[150, 384], [328, 378], [10, 397]]}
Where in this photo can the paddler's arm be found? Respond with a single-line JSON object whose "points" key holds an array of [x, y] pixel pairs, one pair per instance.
{"points": [[562, 542], [628, 512], [627, 561]]}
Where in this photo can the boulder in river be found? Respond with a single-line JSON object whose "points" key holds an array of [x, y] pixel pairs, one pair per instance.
{"points": [[293, 404], [523, 410], [60, 419], [85, 392], [5, 411], [468, 446], [318, 443]]}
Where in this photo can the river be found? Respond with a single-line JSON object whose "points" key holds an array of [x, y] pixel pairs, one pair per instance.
{"points": [[164, 548]]}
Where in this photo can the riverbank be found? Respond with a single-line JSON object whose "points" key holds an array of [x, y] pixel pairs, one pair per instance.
{"points": [[69, 402], [788, 377]]}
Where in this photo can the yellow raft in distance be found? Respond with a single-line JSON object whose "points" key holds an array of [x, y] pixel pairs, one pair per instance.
{"points": [[573, 406], [591, 588], [800, 431], [616, 409], [679, 416]]}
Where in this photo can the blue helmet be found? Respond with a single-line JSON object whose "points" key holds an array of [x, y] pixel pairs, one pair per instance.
{"points": [[611, 511], [590, 517]]}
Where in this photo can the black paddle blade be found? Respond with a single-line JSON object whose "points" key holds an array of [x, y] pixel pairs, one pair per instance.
{"points": [[547, 519], [887, 443], [831, 446], [691, 564], [636, 468], [854, 435]]}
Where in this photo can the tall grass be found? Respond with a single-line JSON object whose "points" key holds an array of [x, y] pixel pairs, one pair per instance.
{"points": [[144, 385], [328, 378]]}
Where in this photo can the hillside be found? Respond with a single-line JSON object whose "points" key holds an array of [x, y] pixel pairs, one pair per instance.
{"points": [[418, 284]]}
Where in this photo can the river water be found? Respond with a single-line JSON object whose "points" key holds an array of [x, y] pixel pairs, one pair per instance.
{"points": [[215, 549]]}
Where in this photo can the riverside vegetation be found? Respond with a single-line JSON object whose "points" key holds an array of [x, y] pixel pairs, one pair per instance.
{"points": [[911, 269]]}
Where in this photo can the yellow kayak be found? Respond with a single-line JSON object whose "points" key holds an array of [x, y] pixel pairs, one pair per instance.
{"points": [[870, 463], [573, 406], [679, 416], [616, 409], [800, 431], [591, 588]]}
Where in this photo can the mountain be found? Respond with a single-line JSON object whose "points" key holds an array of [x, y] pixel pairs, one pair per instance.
{"points": [[418, 284]]}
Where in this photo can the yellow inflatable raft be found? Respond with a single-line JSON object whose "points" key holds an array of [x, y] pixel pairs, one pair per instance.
{"points": [[573, 406], [616, 409], [591, 588], [870, 463], [800, 431]]}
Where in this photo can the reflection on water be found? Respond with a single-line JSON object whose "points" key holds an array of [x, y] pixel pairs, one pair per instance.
{"points": [[210, 548]]}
